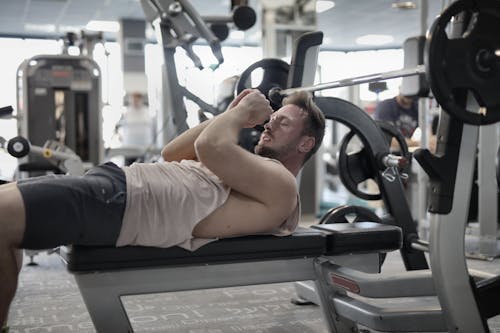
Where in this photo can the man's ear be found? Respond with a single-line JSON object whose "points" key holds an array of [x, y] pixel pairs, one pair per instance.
{"points": [[306, 144]]}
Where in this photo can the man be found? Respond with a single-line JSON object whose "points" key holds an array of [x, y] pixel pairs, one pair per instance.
{"points": [[208, 188], [136, 127], [402, 112]]}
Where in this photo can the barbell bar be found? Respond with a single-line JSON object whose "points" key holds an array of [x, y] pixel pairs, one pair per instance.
{"points": [[276, 94]]}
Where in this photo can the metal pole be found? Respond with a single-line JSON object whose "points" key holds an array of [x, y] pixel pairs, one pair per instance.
{"points": [[358, 80], [423, 110]]}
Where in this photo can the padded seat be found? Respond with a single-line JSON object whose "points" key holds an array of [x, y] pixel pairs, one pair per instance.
{"points": [[362, 237], [303, 243]]}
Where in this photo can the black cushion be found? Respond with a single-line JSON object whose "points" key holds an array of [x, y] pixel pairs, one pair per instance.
{"points": [[331, 239], [362, 237], [303, 243]]}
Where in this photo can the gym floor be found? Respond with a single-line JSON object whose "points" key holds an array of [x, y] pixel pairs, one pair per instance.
{"points": [[48, 300]]}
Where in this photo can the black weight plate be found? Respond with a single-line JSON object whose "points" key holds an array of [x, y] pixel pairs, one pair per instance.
{"points": [[354, 168], [349, 214], [457, 66], [275, 74]]}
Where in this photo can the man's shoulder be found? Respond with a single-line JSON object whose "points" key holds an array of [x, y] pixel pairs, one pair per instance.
{"points": [[389, 101], [386, 109]]}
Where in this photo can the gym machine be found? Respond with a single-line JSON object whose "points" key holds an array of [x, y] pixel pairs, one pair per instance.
{"points": [[178, 24], [461, 68], [466, 303], [59, 98], [61, 157], [467, 299]]}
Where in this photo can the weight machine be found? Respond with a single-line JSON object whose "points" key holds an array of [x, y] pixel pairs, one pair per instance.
{"points": [[59, 98], [462, 68], [178, 24]]}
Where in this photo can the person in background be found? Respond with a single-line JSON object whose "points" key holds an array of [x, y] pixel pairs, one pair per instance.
{"points": [[136, 127], [402, 112]]}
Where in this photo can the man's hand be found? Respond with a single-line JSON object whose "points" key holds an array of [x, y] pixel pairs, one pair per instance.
{"points": [[252, 106]]}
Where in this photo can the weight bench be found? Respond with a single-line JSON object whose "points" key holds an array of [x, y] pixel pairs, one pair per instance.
{"points": [[104, 274]]}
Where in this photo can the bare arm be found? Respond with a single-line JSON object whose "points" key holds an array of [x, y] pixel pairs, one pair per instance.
{"points": [[182, 147], [269, 185]]}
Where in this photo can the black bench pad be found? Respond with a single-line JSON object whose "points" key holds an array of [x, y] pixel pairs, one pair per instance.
{"points": [[362, 237], [305, 242]]}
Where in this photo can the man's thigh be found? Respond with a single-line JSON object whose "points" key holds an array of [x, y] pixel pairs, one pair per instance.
{"points": [[12, 216], [63, 210]]}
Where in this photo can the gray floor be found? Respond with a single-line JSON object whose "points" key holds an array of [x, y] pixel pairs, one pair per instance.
{"points": [[48, 301]]}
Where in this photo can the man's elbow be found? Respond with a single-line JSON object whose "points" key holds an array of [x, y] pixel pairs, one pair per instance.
{"points": [[165, 154], [202, 147], [208, 150]]}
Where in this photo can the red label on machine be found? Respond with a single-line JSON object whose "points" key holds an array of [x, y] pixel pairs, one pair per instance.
{"points": [[345, 283], [61, 73]]}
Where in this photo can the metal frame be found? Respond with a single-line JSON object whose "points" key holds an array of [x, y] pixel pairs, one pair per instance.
{"points": [[102, 291], [488, 192], [388, 180], [345, 311], [447, 249]]}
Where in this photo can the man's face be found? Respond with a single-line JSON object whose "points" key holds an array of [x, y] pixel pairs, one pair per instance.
{"points": [[406, 102], [282, 134]]}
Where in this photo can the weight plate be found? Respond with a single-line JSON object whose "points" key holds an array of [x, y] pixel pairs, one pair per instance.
{"points": [[349, 214], [274, 74], [355, 167], [467, 63]]}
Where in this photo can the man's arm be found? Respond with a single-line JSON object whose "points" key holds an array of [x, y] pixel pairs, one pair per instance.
{"points": [[268, 184], [182, 147]]}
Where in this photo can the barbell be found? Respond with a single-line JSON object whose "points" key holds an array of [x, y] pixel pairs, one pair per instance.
{"points": [[276, 94], [456, 67]]}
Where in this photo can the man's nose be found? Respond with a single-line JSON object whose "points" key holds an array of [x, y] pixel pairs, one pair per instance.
{"points": [[268, 125]]}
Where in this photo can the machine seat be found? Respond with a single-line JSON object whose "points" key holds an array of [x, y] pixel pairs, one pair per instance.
{"points": [[304, 242]]}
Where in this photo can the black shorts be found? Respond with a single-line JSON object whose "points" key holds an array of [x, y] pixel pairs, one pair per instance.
{"points": [[63, 210]]}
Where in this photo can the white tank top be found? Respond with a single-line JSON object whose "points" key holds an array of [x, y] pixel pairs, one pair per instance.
{"points": [[165, 201]]}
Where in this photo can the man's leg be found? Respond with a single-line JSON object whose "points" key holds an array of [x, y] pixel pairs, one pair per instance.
{"points": [[12, 224]]}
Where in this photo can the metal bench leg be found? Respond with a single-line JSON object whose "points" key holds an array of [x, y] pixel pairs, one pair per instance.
{"points": [[103, 304]]}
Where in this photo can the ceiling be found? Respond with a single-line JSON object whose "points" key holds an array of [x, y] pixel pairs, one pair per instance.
{"points": [[341, 25]]}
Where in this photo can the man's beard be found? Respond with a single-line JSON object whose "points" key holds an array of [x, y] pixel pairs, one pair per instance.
{"points": [[266, 152], [277, 154]]}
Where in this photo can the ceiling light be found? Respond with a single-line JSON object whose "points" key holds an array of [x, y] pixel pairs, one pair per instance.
{"points": [[404, 5], [323, 5], [40, 27], [69, 28], [107, 26], [374, 39]]}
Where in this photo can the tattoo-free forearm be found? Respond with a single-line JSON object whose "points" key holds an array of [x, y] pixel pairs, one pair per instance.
{"points": [[218, 137], [182, 147]]}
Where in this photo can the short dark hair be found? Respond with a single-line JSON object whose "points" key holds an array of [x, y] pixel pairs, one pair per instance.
{"points": [[314, 124]]}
